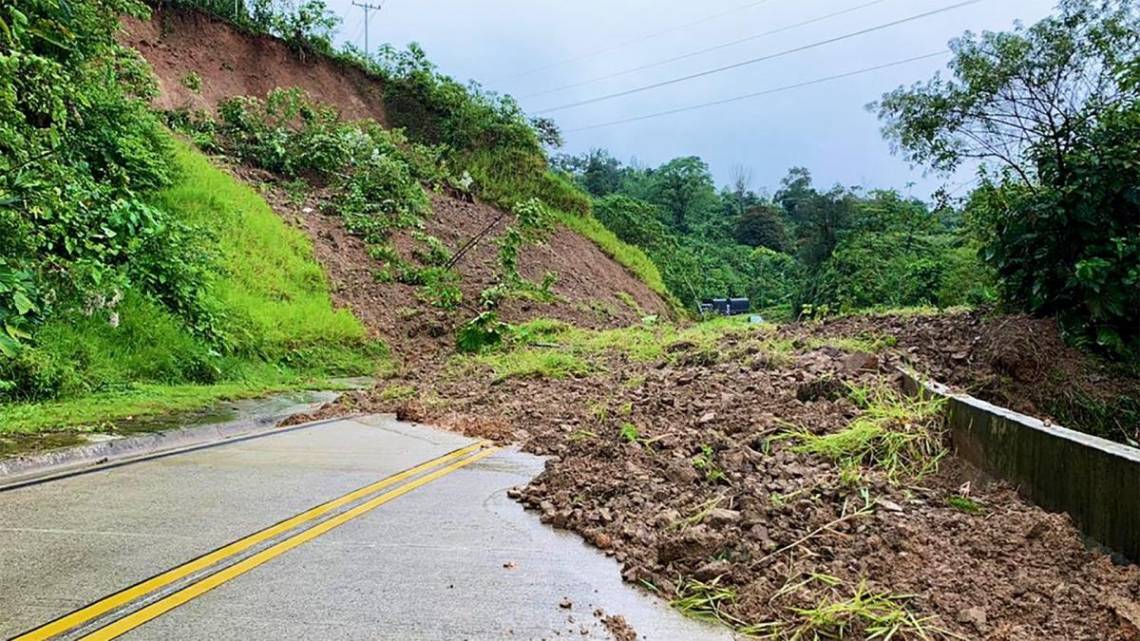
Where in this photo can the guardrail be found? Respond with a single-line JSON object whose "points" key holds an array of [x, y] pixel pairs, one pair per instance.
{"points": [[1094, 480]]}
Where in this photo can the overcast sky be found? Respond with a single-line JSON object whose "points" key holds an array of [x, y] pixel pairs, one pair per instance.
{"points": [[824, 127]]}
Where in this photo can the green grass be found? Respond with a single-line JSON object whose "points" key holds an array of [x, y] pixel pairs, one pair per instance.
{"points": [[273, 292], [278, 327], [548, 348], [964, 504], [142, 400], [628, 256], [873, 615], [897, 434], [534, 363]]}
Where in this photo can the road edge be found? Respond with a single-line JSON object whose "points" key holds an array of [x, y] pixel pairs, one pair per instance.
{"points": [[92, 457]]}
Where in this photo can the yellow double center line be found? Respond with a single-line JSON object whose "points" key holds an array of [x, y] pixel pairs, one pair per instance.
{"points": [[175, 599]]}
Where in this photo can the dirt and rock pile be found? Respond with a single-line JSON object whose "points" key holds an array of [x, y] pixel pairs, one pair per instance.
{"points": [[682, 470], [1014, 361]]}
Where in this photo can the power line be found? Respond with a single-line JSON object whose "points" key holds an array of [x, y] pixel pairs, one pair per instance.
{"points": [[766, 92], [367, 7], [751, 61], [708, 49], [626, 43]]}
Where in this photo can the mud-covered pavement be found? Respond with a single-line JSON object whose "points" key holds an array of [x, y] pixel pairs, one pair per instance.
{"points": [[684, 468]]}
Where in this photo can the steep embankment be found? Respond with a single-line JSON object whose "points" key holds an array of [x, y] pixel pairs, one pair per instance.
{"points": [[591, 289], [200, 61]]}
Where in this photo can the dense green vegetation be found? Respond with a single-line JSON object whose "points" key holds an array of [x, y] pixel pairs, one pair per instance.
{"points": [[1054, 112], [131, 267], [802, 250]]}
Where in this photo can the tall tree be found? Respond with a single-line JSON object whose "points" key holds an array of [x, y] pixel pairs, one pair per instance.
{"points": [[1054, 111], [683, 187], [762, 226]]}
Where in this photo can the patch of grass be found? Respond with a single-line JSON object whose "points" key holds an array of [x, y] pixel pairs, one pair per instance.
{"points": [[534, 363], [555, 349], [898, 434], [964, 504], [630, 433], [630, 302], [706, 601], [869, 614], [506, 176], [398, 393], [137, 401], [273, 293]]}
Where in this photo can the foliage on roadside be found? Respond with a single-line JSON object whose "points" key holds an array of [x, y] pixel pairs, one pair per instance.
{"points": [[1053, 109], [121, 262]]}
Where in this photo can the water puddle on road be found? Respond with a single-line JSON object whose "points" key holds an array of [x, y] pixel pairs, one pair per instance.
{"points": [[256, 411]]}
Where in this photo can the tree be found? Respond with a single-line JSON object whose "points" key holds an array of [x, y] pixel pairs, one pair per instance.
{"points": [[740, 191], [1039, 88], [634, 221], [822, 221], [1052, 110], [596, 171], [795, 188], [762, 226], [683, 187]]}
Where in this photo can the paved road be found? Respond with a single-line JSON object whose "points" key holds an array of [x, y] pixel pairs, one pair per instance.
{"points": [[437, 553]]}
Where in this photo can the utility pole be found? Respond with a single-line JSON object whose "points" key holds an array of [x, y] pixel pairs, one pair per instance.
{"points": [[367, 7]]}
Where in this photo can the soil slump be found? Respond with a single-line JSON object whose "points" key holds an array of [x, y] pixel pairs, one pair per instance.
{"points": [[775, 531]]}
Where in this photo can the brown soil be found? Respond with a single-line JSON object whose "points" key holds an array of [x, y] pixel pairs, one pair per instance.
{"points": [[1017, 362], [230, 62], [591, 290], [778, 517]]}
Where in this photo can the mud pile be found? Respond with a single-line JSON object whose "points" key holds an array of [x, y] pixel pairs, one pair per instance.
{"points": [[681, 469]]}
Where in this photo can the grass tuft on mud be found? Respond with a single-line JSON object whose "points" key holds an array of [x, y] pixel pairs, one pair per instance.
{"points": [[898, 434]]}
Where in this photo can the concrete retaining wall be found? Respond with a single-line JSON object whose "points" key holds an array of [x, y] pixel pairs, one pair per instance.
{"points": [[1095, 480]]}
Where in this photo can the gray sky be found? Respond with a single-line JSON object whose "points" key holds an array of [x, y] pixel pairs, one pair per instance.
{"points": [[824, 127]]}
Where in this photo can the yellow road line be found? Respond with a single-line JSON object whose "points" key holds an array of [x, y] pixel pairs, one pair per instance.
{"points": [[118, 599], [194, 590]]}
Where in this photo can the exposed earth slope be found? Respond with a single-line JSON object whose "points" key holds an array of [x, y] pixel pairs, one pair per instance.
{"points": [[228, 62]]}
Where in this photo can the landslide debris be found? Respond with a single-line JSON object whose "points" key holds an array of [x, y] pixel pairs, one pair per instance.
{"points": [[775, 481]]}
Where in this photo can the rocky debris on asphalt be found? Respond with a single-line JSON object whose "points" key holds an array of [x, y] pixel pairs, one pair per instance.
{"points": [[712, 494]]}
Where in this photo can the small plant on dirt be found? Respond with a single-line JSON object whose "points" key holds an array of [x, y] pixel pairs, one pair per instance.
{"points": [[599, 411], [705, 462], [192, 81], [483, 332], [440, 288], [581, 435], [900, 435], [433, 253], [630, 433], [964, 504], [851, 474]]}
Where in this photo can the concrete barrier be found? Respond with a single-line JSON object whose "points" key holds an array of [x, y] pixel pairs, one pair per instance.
{"points": [[1094, 480]]}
